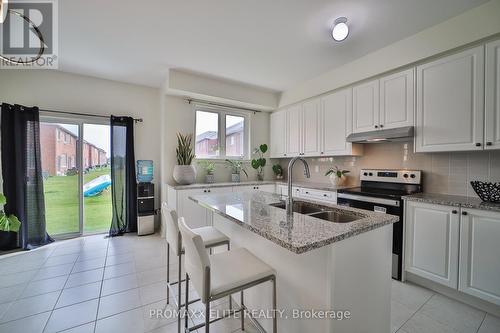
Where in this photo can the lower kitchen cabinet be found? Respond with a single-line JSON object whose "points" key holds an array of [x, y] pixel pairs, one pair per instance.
{"points": [[265, 188], [480, 254], [432, 242]]}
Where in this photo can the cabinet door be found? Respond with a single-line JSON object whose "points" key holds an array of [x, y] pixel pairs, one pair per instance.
{"points": [[450, 103], [492, 107], [311, 128], [479, 254], [365, 101], [336, 123], [397, 99], [195, 215], [278, 134], [294, 133], [432, 242]]}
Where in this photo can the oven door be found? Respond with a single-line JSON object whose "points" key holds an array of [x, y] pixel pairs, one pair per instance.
{"points": [[383, 206]]}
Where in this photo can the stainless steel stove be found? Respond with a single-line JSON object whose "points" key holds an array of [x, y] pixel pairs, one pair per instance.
{"points": [[382, 191]]}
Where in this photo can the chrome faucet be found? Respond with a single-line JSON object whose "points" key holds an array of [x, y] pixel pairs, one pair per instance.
{"points": [[289, 202]]}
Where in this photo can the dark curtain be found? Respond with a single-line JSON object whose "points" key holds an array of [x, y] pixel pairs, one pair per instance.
{"points": [[123, 177], [22, 173]]}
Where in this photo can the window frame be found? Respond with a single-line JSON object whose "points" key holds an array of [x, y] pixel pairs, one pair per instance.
{"points": [[221, 133]]}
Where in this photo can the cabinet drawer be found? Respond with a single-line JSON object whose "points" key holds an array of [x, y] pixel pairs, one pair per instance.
{"points": [[326, 196]]}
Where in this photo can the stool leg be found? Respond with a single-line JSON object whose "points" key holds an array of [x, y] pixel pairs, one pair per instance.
{"points": [[242, 312], [207, 317], [186, 304], [168, 272], [275, 319], [179, 278], [230, 299]]}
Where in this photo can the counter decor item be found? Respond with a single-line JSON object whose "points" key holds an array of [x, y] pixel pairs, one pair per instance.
{"points": [[184, 172], [487, 191], [337, 176], [237, 167], [260, 162], [209, 169], [9, 227], [278, 171]]}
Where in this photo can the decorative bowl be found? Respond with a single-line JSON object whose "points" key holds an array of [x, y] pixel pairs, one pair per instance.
{"points": [[487, 191]]}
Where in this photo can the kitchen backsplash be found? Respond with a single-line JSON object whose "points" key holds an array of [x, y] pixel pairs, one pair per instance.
{"points": [[447, 173]]}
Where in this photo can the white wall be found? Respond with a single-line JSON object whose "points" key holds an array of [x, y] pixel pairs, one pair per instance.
{"points": [[478, 23], [69, 92], [179, 116]]}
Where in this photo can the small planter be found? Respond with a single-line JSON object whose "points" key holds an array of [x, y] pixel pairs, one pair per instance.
{"points": [[8, 240], [210, 178], [184, 174], [338, 181], [235, 177], [260, 176]]}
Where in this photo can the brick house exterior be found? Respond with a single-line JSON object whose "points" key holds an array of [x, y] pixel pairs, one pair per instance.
{"points": [[59, 150], [206, 142]]}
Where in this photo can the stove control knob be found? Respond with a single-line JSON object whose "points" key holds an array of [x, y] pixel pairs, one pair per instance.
{"points": [[365, 174], [370, 174], [405, 175], [412, 176]]}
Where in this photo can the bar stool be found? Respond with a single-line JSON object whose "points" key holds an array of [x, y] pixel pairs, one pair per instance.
{"points": [[220, 275], [211, 238]]}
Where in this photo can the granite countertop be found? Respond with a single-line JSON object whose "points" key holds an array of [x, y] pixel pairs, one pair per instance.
{"points": [[453, 200], [317, 186], [300, 233]]}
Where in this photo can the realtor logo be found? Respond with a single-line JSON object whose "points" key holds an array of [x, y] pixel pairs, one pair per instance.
{"points": [[27, 25]]}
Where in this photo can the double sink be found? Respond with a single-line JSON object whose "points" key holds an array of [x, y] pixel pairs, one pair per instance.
{"points": [[321, 212]]}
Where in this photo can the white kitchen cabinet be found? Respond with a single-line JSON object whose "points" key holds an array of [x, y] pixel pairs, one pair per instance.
{"points": [[311, 134], [492, 93], [282, 189], [479, 254], [365, 101], [397, 99], [294, 130], [336, 124], [318, 195], [450, 103], [278, 134], [271, 188], [432, 242]]}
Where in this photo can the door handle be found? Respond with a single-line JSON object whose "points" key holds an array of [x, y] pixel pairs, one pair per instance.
{"points": [[454, 211], [478, 144], [464, 213]]}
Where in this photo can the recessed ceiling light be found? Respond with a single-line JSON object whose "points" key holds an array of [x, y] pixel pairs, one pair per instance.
{"points": [[3, 10], [340, 29]]}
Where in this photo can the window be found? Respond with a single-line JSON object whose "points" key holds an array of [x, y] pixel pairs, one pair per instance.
{"points": [[221, 134]]}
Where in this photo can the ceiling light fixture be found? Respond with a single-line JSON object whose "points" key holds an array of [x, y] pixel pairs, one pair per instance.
{"points": [[340, 29]]}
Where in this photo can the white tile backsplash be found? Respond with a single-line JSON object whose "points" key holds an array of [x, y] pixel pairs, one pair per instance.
{"points": [[447, 173]]}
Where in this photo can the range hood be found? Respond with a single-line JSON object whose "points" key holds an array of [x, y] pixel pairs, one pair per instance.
{"points": [[400, 134]]}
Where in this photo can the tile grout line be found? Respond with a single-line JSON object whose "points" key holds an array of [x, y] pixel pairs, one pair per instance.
{"points": [[416, 311], [102, 283], [482, 321]]}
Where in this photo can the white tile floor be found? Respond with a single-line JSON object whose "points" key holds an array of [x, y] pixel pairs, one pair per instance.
{"points": [[98, 285]]}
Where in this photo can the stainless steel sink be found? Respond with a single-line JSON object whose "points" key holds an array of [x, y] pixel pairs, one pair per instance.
{"points": [[318, 211], [337, 217]]}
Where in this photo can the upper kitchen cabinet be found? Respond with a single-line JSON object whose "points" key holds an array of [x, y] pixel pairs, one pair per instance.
{"points": [[278, 134], [366, 107], [492, 107], [311, 128], [397, 99], [294, 131], [450, 103], [336, 124]]}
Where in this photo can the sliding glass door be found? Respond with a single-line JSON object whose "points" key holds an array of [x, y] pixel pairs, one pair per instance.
{"points": [[76, 173]]}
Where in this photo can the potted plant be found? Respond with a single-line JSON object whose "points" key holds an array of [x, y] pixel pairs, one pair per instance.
{"points": [[184, 172], [9, 227], [337, 176], [209, 169], [278, 171], [260, 162], [237, 167]]}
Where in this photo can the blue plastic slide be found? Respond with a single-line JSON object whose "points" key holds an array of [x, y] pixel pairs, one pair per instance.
{"points": [[96, 186]]}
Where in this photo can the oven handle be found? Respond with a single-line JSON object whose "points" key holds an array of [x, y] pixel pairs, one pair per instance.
{"points": [[381, 201]]}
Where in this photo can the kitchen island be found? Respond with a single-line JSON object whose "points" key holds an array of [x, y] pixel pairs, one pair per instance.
{"points": [[343, 268]]}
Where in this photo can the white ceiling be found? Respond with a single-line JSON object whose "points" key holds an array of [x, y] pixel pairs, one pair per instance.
{"points": [[269, 43]]}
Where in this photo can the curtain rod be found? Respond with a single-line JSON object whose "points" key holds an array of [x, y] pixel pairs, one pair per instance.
{"points": [[191, 100]]}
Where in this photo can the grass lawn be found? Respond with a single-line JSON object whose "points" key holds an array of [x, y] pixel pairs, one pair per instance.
{"points": [[61, 205]]}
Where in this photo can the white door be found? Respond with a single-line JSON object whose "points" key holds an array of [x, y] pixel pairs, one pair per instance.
{"points": [[479, 254], [294, 125], [492, 107], [450, 103], [397, 99], [432, 242], [365, 102], [278, 134], [311, 128], [336, 123]]}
